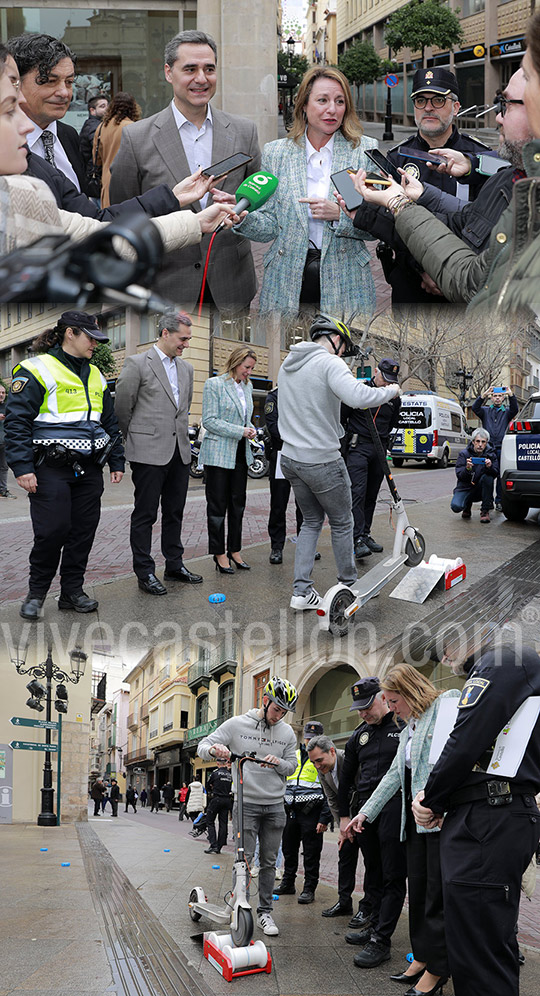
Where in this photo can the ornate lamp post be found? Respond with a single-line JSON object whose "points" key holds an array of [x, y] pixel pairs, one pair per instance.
{"points": [[49, 671], [463, 377]]}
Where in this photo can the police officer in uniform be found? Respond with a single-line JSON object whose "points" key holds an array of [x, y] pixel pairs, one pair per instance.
{"points": [[363, 458], [220, 785], [60, 429], [308, 816], [369, 752], [435, 95], [492, 824]]}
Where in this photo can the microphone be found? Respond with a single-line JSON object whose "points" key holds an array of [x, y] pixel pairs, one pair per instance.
{"points": [[253, 192]]}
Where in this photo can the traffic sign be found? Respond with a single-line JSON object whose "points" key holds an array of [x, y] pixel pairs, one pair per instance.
{"points": [[42, 724], [26, 745], [391, 80]]}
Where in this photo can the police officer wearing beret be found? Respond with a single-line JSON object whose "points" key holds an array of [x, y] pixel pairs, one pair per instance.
{"points": [[363, 458], [492, 824], [60, 430], [369, 752], [435, 95], [308, 816]]}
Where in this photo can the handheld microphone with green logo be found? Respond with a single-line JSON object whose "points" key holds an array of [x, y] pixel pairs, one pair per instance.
{"points": [[253, 192]]}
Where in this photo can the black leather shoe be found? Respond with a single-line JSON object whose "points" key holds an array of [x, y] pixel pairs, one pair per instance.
{"points": [[182, 574], [78, 601], [438, 987], [408, 980], [372, 544], [361, 920], [317, 556], [286, 889], [152, 585], [361, 549], [223, 570], [337, 910], [360, 937], [213, 850], [31, 607], [373, 954], [240, 564], [306, 897], [276, 557]]}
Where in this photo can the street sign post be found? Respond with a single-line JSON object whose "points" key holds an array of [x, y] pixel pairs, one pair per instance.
{"points": [[42, 724], [28, 745], [391, 80]]}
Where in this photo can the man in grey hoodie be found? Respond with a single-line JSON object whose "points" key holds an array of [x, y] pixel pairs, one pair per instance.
{"points": [[264, 732], [313, 382]]}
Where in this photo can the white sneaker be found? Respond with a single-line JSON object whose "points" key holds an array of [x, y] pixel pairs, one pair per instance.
{"points": [[311, 600], [279, 874], [265, 921]]}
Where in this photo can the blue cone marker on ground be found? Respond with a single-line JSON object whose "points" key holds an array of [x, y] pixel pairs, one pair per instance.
{"points": [[218, 596], [44, 848], [66, 864], [410, 957], [216, 867], [166, 850]]}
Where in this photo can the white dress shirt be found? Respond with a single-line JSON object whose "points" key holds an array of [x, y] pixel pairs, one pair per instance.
{"points": [[319, 167], [169, 365], [60, 156], [242, 396], [197, 142]]}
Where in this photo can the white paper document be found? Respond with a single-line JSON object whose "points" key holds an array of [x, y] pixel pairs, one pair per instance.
{"points": [[510, 744]]}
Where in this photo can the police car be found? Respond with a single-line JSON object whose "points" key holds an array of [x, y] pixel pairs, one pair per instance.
{"points": [[520, 462]]}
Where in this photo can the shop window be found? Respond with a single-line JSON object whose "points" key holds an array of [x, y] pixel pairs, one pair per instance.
{"points": [[201, 711], [226, 701]]}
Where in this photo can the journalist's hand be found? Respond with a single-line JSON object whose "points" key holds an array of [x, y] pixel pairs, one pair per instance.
{"points": [[192, 188]]}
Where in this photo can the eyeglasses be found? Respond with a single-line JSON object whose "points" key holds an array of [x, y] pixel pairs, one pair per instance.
{"points": [[437, 100], [501, 106]]}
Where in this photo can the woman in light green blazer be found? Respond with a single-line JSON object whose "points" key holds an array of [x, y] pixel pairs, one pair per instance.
{"points": [[415, 700], [226, 454]]}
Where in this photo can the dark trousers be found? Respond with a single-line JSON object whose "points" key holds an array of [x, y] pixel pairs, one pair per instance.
{"points": [[463, 497], [299, 829], [3, 469], [484, 852], [280, 491], [114, 806], [366, 474], [226, 496], [426, 914], [217, 807], [97, 807], [65, 514], [169, 484], [128, 804]]}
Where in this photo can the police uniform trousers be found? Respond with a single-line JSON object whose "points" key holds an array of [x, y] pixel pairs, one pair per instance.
{"points": [[484, 852], [218, 806], [168, 483], [280, 490], [385, 870], [366, 474], [226, 497], [426, 913], [65, 514], [301, 829]]}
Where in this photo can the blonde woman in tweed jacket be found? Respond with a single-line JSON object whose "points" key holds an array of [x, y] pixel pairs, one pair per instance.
{"points": [[415, 700], [326, 136]]}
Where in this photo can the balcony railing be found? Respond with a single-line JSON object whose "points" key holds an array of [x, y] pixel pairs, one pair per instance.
{"points": [[196, 733], [142, 754], [133, 720], [199, 674], [167, 727]]}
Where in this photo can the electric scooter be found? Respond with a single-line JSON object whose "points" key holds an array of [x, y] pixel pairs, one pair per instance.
{"points": [[341, 602], [237, 910]]}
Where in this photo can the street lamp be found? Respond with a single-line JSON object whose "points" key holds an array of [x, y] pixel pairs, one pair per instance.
{"points": [[462, 376], [291, 45], [50, 672]]}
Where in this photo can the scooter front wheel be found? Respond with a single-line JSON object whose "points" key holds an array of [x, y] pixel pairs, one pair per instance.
{"points": [[339, 623], [196, 896], [415, 555], [243, 933]]}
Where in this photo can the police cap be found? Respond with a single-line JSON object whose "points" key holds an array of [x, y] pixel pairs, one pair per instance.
{"points": [[363, 692], [434, 81], [389, 370], [313, 729], [86, 323]]}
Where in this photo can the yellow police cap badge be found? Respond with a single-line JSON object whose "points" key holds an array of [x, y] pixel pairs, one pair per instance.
{"points": [[472, 691]]}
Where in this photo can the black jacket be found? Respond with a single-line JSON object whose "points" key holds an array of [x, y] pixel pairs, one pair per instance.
{"points": [[114, 794], [220, 783], [159, 200], [470, 478], [369, 752], [271, 419], [69, 139], [86, 138], [23, 407], [386, 417]]}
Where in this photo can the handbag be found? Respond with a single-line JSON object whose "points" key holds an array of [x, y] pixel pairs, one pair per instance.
{"points": [[93, 170], [310, 292]]}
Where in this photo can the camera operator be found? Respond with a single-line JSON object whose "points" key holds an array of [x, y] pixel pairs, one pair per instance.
{"points": [[476, 469], [60, 430]]}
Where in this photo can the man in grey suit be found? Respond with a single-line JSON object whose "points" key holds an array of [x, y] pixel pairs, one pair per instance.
{"points": [[328, 759], [174, 143], [153, 397]]}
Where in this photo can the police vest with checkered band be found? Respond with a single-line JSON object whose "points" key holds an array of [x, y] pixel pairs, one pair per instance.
{"points": [[71, 410]]}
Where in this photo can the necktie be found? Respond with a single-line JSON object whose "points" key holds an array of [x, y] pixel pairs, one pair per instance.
{"points": [[47, 138]]}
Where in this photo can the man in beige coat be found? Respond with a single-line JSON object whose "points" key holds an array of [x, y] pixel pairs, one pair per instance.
{"points": [[153, 397]]}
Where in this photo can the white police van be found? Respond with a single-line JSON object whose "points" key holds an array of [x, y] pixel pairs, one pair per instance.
{"points": [[430, 429], [520, 462]]}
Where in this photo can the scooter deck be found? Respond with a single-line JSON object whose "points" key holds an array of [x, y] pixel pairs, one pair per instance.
{"points": [[212, 910], [374, 581]]}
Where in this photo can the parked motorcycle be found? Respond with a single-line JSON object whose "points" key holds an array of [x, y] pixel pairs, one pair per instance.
{"points": [[259, 467], [194, 433]]}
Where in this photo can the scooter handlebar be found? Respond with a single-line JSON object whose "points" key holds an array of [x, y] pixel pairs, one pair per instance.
{"points": [[247, 756]]}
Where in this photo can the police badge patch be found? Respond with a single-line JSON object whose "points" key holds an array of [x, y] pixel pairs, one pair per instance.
{"points": [[472, 691], [412, 169], [18, 384], [363, 739]]}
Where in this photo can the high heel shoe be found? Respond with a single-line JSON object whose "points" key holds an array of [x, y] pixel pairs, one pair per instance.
{"points": [[240, 564], [437, 988], [410, 980], [223, 570]]}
